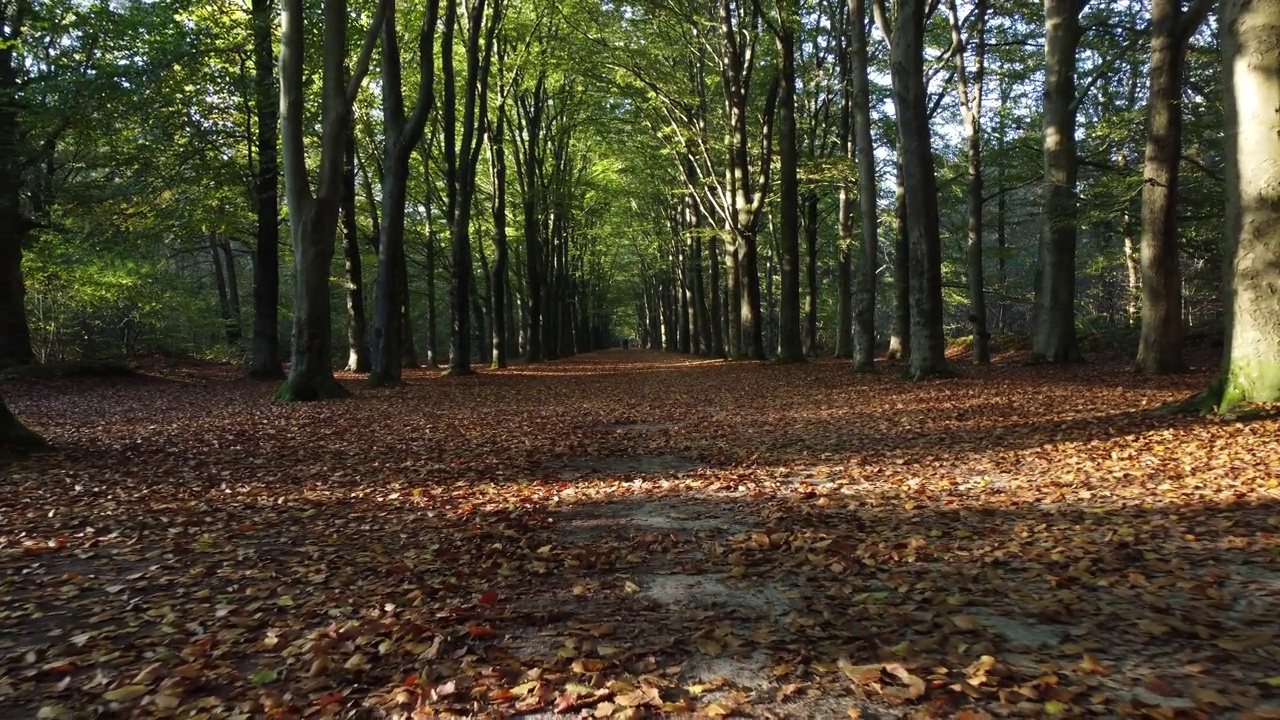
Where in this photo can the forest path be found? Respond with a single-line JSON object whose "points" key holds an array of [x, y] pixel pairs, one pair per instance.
{"points": [[634, 533]]}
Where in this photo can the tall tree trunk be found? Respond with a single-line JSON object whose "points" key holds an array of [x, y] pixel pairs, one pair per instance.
{"points": [[498, 283], [15, 333], [900, 331], [1133, 275], [1160, 344], [1055, 331], [233, 290], [733, 293], [790, 344], [1251, 62], [433, 345], [461, 158], [928, 348], [860, 110], [357, 344], [313, 219], [716, 306], [701, 315], [811, 274], [220, 282], [392, 340], [971, 112], [265, 362]]}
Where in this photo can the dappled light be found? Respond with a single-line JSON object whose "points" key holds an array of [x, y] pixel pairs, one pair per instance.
{"points": [[631, 529]]}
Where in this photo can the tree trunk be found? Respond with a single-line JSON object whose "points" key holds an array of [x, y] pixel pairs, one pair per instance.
{"points": [[265, 362], [971, 113], [220, 282], [233, 290], [790, 344], [1055, 329], [1251, 60], [811, 275], [313, 219], [14, 436], [498, 283], [733, 294], [1160, 344], [900, 330], [15, 333], [716, 307], [357, 345], [860, 109]]}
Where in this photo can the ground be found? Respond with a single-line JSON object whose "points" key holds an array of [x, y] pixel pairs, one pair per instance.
{"points": [[631, 534]]}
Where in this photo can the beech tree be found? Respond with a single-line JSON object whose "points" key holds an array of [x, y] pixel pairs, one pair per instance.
{"points": [[1160, 344], [1251, 75], [905, 30], [14, 436], [15, 225], [313, 215], [265, 358], [401, 133]]}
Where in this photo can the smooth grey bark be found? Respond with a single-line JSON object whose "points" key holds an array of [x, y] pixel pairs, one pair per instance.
{"points": [[1251, 64], [864, 339], [462, 155], [391, 339], [811, 274], [900, 328], [15, 332], [498, 281], [531, 107], [357, 339], [716, 307], [1160, 342], [1054, 338], [265, 358], [313, 216], [746, 195], [971, 113], [906, 57]]}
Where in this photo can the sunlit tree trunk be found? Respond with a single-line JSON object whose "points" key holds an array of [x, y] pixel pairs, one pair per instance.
{"points": [[928, 349], [357, 344], [900, 329], [971, 113], [1054, 339], [1251, 59], [864, 313]]}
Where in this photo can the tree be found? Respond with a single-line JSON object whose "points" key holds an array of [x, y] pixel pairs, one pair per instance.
{"points": [[15, 225], [971, 113], [860, 112], [462, 155], [790, 347], [1160, 345], [401, 133], [906, 58], [313, 216], [1054, 338], [264, 362], [1251, 65]]}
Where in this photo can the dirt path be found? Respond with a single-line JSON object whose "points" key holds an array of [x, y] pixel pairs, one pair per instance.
{"points": [[630, 534]]}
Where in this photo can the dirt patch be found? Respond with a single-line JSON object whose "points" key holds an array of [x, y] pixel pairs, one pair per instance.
{"points": [[714, 592]]}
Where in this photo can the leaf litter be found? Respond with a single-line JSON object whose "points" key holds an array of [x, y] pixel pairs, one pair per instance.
{"points": [[1017, 542]]}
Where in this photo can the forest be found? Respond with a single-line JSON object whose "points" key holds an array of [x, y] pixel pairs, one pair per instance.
{"points": [[767, 358]]}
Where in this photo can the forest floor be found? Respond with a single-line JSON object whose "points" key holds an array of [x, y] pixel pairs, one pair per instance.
{"points": [[630, 533]]}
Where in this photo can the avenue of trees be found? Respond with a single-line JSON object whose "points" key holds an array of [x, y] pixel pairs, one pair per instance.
{"points": [[306, 184]]}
